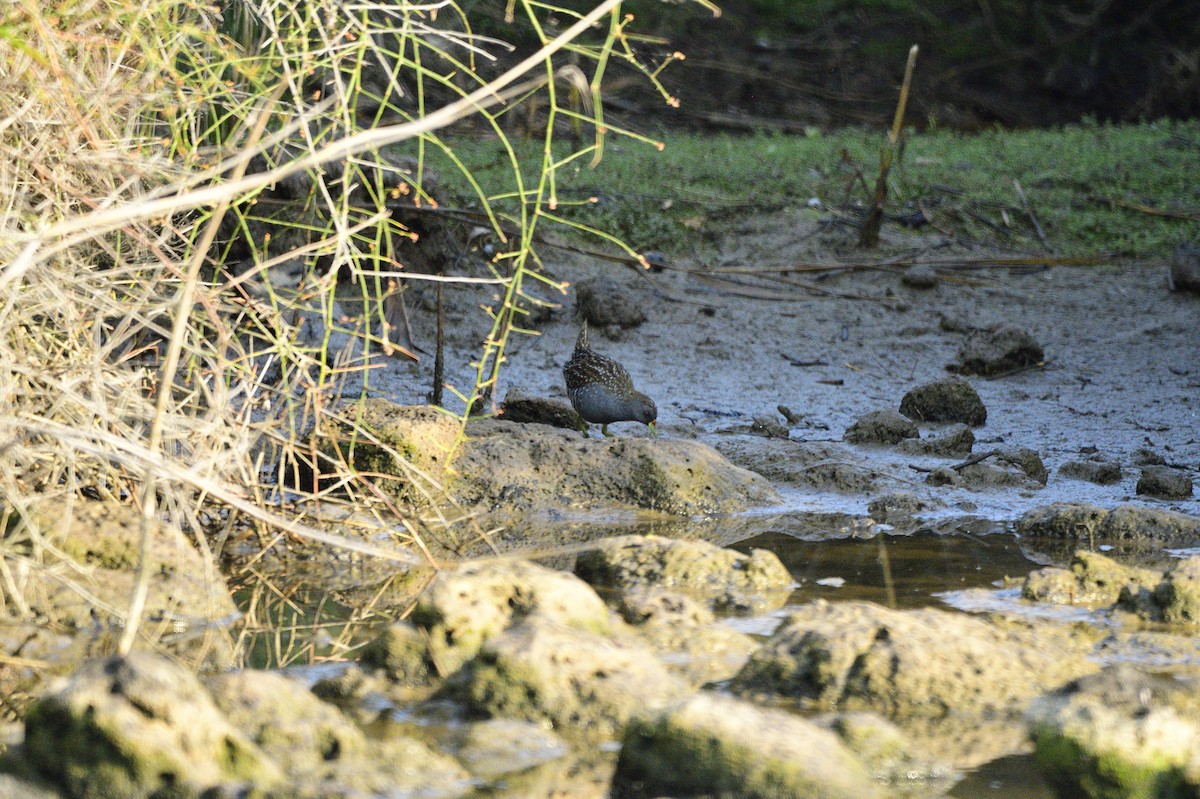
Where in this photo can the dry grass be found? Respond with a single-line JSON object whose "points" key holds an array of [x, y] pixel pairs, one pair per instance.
{"points": [[134, 141]]}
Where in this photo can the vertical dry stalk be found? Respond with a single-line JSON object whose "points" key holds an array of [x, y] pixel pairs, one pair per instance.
{"points": [[868, 235]]}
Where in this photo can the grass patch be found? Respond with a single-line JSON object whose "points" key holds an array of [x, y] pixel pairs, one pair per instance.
{"points": [[1096, 189]]}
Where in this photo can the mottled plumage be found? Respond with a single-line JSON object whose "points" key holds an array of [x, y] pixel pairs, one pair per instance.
{"points": [[601, 390]]}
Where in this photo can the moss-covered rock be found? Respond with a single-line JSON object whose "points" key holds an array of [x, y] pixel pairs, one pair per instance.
{"points": [[724, 577], [1119, 733], [920, 663], [507, 467], [139, 726], [713, 745], [1093, 580], [585, 684], [696, 646], [476, 601]]}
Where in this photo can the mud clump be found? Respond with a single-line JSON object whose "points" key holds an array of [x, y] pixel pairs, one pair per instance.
{"points": [[1185, 268], [605, 303], [1164, 482], [881, 427], [951, 399], [1100, 472], [524, 409], [997, 351]]}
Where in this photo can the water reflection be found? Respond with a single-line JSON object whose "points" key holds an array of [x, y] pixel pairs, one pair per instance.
{"points": [[896, 571]]}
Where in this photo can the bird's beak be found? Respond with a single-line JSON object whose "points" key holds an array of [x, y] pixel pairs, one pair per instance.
{"points": [[653, 428]]}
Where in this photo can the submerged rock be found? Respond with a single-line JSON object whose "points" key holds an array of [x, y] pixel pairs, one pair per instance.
{"points": [[496, 747], [725, 577], [713, 745], [888, 751], [950, 399], [1119, 733], [860, 656]]}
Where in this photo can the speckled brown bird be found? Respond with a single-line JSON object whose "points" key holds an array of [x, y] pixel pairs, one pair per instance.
{"points": [[602, 391]]}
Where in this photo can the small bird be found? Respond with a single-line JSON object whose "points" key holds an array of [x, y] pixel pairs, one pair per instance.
{"points": [[601, 390]]}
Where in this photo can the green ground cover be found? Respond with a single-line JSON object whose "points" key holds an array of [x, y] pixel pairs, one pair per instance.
{"points": [[1127, 191]]}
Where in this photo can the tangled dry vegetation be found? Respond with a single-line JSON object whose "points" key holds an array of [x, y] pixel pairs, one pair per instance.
{"points": [[152, 358]]}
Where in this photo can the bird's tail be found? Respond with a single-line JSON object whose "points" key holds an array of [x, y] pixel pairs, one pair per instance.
{"points": [[581, 343]]}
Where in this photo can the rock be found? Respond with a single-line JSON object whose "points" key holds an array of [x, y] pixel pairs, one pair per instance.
{"points": [[1173, 598], [1100, 472], [585, 684], [138, 726], [1079, 521], [410, 446], [1178, 595], [887, 751], [496, 747], [880, 427], [1011, 466], [818, 465], [1093, 580], [732, 748], [955, 441], [1133, 522], [523, 409], [468, 605], [696, 646], [504, 466], [920, 276], [289, 723], [768, 426], [1185, 268], [1144, 456], [1119, 733], [943, 476], [105, 538], [401, 651], [1164, 482], [920, 663], [951, 399], [724, 577], [897, 506], [13, 786], [603, 302], [998, 350]]}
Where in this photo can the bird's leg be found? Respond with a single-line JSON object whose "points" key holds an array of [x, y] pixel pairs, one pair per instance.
{"points": [[604, 430]]}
